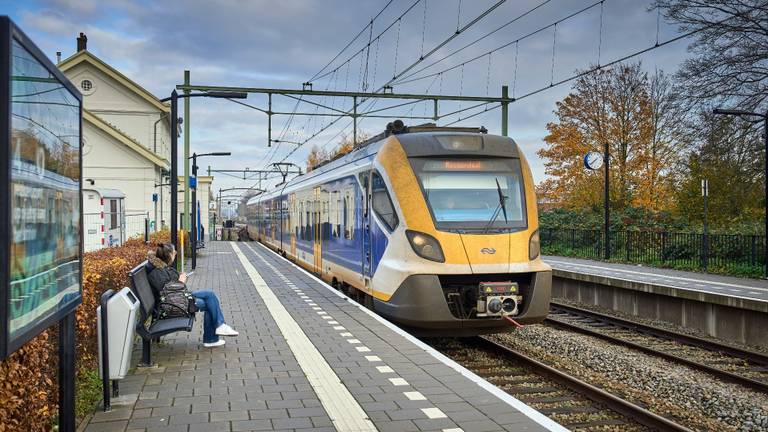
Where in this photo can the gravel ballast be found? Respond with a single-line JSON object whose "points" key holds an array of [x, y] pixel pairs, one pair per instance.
{"points": [[693, 398]]}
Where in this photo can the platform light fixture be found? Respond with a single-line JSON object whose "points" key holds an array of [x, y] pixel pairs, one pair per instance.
{"points": [[764, 118]]}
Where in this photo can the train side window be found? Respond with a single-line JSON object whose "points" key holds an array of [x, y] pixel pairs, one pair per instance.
{"points": [[382, 203], [364, 182], [352, 213], [338, 217], [301, 220]]}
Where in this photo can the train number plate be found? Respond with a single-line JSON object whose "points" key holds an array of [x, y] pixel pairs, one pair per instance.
{"points": [[498, 288]]}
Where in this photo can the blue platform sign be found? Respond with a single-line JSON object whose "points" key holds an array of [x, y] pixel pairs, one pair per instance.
{"points": [[40, 191]]}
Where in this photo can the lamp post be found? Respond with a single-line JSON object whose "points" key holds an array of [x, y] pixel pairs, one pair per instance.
{"points": [[174, 99], [193, 224], [764, 117]]}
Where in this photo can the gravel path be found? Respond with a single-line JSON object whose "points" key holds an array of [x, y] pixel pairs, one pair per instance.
{"points": [[690, 397]]}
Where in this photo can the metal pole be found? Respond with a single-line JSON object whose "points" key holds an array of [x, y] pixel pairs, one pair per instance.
{"points": [[105, 349], [193, 225], [765, 245], [269, 121], [155, 197], [175, 170], [606, 203], [705, 194], [160, 197], [354, 123], [67, 373], [186, 160], [505, 111], [162, 212]]}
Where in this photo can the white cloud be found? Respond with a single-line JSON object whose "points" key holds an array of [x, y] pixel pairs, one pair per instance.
{"points": [[281, 44]]}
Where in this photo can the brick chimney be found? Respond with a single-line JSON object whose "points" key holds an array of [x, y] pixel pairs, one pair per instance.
{"points": [[82, 42]]}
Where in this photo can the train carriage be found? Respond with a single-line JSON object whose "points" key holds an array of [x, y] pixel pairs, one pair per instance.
{"points": [[433, 228]]}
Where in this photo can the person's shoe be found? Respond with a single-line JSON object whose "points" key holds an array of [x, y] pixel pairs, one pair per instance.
{"points": [[218, 343], [226, 330]]}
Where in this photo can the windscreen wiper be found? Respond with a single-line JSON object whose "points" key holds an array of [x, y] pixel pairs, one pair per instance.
{"points": [[502, 200], [501, 207]]}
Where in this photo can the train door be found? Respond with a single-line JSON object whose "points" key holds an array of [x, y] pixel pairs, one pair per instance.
{"points": [[317, 225], [293, 221], [365, 181]]}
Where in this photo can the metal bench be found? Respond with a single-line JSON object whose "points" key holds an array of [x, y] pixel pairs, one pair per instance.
{"points": [[150, 327]]}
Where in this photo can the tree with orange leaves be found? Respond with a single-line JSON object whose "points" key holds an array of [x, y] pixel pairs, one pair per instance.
{"points": [[631, 114]]}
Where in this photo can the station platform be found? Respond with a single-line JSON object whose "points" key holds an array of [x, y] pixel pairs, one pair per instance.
{"points": [[729, 308], [701, 283], [307, 358]]}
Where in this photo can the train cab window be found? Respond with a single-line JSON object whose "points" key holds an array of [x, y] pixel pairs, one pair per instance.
{"points": [[382, 203]]}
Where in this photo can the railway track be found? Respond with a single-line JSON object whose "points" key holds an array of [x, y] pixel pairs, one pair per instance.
{"points": [[571, 402], [727, 363]]}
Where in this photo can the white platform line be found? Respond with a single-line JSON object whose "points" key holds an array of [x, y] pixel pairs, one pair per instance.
{"points": [[660, 276], [341, 406]]}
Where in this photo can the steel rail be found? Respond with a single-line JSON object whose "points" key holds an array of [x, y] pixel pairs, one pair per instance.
{"points": [[719, 373], [628, 409], [752, 356]]}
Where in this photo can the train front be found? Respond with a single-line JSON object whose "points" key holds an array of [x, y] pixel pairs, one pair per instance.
{"points": [[470, 253]]}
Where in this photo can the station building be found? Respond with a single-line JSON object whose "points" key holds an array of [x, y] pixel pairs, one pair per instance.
{"points": [[126, 141]]}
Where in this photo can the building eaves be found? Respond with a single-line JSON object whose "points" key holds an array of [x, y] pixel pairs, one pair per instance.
{"points": [[129, 142]]}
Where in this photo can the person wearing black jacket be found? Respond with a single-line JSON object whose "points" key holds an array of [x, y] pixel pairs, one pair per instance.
{"points": [[160, 272]]}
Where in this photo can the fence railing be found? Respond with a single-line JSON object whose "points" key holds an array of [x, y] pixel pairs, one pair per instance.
{"points": [[739, 255], [112, 229]]}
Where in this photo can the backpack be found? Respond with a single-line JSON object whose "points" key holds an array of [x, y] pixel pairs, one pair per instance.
{"points": [[176, 301]]}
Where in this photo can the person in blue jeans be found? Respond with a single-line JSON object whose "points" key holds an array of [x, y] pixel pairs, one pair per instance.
{"points": [[160, 272]]}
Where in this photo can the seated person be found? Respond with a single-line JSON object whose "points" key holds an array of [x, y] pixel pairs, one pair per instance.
{"points": [[160, 272]]}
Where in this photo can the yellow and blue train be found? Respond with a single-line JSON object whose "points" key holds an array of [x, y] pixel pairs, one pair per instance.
{"points": [[433, 228]]}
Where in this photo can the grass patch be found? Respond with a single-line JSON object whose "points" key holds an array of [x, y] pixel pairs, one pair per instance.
{"points": [[88, 385]]}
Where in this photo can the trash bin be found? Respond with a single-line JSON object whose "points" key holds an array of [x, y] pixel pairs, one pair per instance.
{"points": [[122, 312]]}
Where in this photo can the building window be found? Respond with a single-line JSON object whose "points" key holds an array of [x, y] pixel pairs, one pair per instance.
{"points": [[86, 85]]}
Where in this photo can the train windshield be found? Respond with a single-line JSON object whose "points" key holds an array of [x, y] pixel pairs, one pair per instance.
{"points": [[463, 194]]}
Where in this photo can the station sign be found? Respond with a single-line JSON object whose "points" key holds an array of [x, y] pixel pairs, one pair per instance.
{"points": [[40, 191]]}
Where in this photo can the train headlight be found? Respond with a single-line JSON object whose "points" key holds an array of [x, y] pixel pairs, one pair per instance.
{"points": [[534, 245], [425, 246]]}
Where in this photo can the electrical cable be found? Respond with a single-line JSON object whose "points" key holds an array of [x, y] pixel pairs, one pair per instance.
{"points": [[539, 30], [352, 41], [508, 23], [600, 67]]}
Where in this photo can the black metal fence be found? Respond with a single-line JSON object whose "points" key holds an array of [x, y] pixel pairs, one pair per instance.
{"points": [[739, 255]]}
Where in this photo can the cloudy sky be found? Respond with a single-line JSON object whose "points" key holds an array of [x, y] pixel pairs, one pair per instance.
{"points": [[283, 43]]}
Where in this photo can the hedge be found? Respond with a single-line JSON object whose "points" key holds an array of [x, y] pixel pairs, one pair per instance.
{"points": [[28, 388]]}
